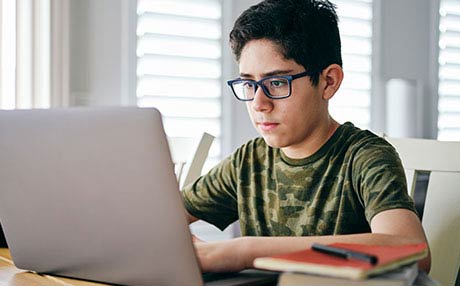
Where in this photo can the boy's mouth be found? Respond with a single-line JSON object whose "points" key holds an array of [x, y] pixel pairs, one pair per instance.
{"points": [[267, 126]]}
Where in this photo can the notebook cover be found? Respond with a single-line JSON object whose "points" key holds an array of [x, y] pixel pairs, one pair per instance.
{"points": [[310, 261]]}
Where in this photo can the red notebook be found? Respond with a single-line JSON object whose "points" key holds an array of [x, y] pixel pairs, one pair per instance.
{"points": [[314, 262]]}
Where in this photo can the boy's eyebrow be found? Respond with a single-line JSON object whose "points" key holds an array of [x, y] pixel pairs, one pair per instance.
{"points": [[271, 73]]}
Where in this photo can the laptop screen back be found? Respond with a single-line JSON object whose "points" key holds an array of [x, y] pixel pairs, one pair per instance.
{"points": [[91, 193]]}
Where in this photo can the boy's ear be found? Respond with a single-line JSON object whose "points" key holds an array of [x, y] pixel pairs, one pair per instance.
{"points": [[331, 77]]}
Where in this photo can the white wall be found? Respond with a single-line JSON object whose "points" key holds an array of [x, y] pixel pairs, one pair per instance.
{"points": [[102, 58], [406, 37]]}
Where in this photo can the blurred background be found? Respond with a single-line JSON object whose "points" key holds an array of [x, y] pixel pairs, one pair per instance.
{"points": [[401, 63]]}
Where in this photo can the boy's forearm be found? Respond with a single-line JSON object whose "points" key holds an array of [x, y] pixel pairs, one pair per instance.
{"points": [[263, 246], [266, 246]]}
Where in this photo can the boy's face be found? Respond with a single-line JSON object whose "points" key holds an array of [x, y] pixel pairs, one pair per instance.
{"points": [[284, 123]]}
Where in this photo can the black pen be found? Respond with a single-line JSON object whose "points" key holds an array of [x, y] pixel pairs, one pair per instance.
{"points": [[345, 253]]}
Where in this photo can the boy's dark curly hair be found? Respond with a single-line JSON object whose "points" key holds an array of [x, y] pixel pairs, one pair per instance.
{"points": [[305, 31]]}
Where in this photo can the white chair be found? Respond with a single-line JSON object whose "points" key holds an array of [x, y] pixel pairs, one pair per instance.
{"points": [[189, 155], [441, 213]]}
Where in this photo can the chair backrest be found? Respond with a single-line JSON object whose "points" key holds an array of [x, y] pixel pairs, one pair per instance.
{"points": [[441, 213], [189, 155]]}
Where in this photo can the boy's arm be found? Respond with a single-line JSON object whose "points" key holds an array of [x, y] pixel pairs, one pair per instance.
{"points": [[391, 227]]}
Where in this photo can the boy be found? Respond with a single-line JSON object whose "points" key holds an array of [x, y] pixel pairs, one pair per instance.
{"points": [[308, 179]]}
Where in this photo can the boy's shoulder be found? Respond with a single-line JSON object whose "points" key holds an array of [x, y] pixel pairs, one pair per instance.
{"points": [[358, 138], [366, 147]]}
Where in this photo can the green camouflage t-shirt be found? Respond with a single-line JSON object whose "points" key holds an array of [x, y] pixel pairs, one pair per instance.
{"points": [[337, 190]]}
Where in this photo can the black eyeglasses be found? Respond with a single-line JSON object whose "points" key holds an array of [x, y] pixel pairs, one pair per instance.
{"points": [[274, 87]]}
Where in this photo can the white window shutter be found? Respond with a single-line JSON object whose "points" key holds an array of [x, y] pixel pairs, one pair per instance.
{"points": [[352, 101], [449, 71], [179, 66]]}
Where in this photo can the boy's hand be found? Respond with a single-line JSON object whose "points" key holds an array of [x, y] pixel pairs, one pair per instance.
{"points": [[222, 256]]}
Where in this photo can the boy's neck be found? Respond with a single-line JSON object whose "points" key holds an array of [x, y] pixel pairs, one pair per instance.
{"points": [[314, 142]]}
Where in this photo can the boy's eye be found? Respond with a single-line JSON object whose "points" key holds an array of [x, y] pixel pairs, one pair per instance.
{"points": [[277, 83], [248, 85]]}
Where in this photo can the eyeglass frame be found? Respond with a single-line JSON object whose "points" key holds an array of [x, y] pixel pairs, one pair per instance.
{"points": [[289, 78]]}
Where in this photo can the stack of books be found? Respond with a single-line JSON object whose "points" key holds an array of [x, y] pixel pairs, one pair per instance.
{"points": [[347, 264]]}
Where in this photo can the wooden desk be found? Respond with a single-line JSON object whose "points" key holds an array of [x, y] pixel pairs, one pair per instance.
{"points": [[12, 276]]}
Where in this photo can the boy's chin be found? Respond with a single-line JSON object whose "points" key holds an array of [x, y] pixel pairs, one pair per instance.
{"points": [[272, 142]]}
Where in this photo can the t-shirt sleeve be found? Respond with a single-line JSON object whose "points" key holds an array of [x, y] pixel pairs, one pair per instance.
{"points": [[212, 197], [380, 180]]}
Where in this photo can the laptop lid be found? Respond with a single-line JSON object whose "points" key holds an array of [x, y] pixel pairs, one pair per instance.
{"points": [[91, 193]]}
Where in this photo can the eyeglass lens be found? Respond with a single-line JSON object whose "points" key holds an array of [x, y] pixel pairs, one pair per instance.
{"points": [[276, 87]]}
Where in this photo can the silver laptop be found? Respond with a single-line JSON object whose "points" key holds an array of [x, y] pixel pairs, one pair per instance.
{"points": [[91, 193]]}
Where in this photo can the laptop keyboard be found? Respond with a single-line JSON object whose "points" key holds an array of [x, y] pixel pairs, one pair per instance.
{"points": [[243, 278]]}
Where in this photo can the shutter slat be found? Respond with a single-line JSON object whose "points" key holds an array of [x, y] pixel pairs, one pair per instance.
{"points": [[179, 66], [178, 26], [179, 47], [185, 18], [178, 87], [209, 9]]}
